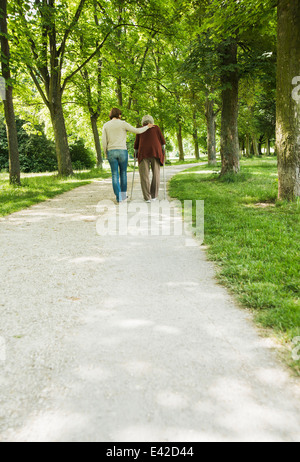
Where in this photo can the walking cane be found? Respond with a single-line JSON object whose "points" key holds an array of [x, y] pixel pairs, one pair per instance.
{"points": [[133, 176]]}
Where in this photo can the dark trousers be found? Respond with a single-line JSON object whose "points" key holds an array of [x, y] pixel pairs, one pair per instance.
{"points": [[150, 191]]}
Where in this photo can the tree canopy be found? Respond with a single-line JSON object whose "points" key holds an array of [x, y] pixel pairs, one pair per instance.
{"points": [[205, 70]]}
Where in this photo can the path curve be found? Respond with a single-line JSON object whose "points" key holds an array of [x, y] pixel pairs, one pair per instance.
{"points": [[123, 338]]}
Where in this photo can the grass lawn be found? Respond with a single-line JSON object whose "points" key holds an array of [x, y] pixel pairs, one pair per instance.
{"points": [[253, 238], [36, 189]]}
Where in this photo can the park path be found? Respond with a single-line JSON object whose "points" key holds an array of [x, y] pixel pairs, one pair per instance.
{"points": [[127, 338]]}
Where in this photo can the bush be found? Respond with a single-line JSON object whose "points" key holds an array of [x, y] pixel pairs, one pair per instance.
{"points": [[37, 153], [82, 157]]}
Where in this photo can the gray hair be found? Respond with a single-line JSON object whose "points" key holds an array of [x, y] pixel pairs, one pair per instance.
{"points": [[147, 119]]}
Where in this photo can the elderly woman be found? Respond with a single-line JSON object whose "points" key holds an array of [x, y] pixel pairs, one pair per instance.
{"points": [[150, 149], [114, 145]]}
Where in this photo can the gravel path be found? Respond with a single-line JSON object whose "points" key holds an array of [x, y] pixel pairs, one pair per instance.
{"points": [[127, 338]]}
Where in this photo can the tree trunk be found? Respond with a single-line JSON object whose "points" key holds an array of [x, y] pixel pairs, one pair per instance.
{"points": [[229, 128], [13, 149], [242, 146], [61, 138], [12, 137], [180, 143], [248, 147], [159, 96], [196, 144], [195, 135], [260, 143], [288, 99], [94, 119], [119, 91], [53, 88], [255, 146], [268, 150], [211, 131]]}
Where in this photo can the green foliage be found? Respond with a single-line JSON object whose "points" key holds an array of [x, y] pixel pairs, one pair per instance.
{"points": [[37, 153], [81, 156], [158, 57]]}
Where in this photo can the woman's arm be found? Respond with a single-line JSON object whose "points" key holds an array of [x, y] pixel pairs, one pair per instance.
{"points": [[138, 131], [104, 141]]}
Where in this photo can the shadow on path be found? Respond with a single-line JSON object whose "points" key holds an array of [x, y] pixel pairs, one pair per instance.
{"points": [[127, 338]]}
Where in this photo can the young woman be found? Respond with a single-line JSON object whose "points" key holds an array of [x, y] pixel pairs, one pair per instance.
{"points": [[114, 145]]}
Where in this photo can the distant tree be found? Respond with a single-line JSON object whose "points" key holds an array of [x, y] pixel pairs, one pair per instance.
{"points": [[230, 151], [48, 39], [234, 27], [202, 68]]}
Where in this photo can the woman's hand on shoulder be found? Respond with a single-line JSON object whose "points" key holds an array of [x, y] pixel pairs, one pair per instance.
{"points": [[151, 125]]}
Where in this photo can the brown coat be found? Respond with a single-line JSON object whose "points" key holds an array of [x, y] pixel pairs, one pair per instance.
{"points": [[149, 144]]}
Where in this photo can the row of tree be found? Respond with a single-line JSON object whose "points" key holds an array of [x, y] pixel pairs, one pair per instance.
{"points": [[219, 63]]}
